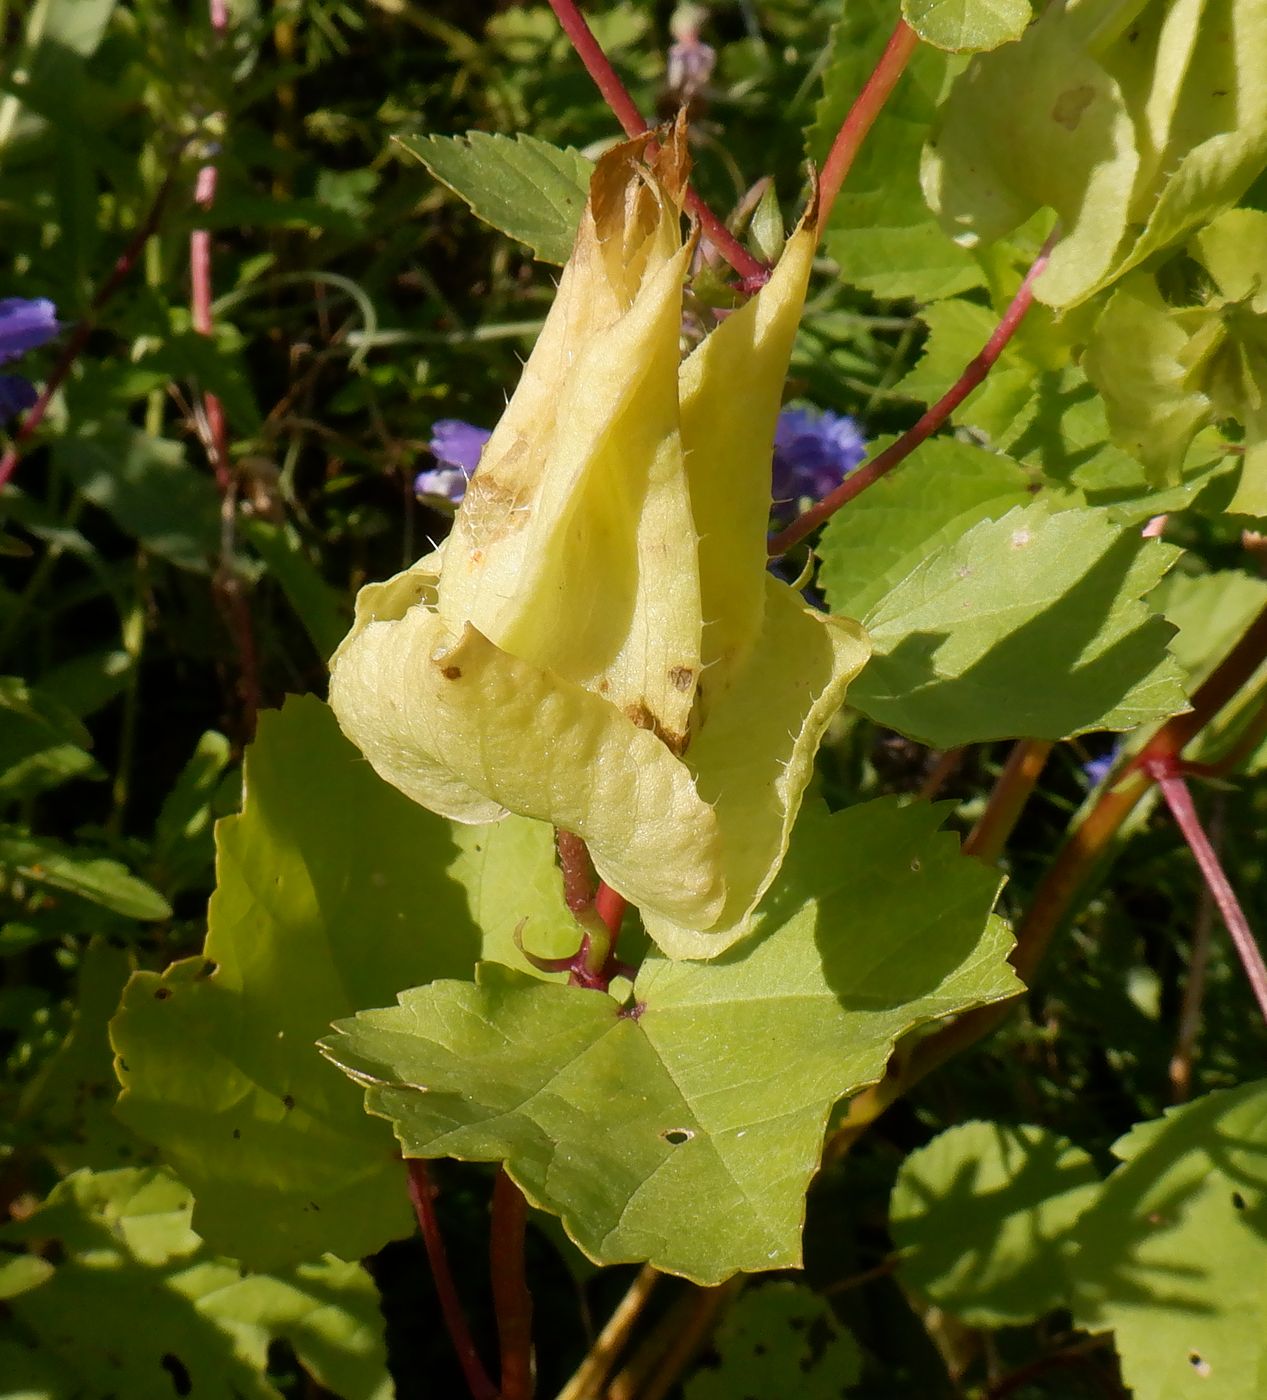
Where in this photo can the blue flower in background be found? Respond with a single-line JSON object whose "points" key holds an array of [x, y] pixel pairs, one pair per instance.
{"points": [[456, 446], [814, 450], [24, 325], [1097, 769]]}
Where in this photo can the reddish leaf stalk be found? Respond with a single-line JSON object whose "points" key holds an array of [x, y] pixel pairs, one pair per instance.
{"points": [[861, 116], [578, 872], [1165, 772], [858, 481], [78, 338], [422, 1193], [625, 110], [227, 585], [1020, 776], [512, 1302]]}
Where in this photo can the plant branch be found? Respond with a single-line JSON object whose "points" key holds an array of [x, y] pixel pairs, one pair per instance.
{"points": [[1174, 789], [861, 116], [1020, 775], [422, 1193], [858, 481], [625, 109], [78, 338], [512, 1302], [674, 1343], [587, 1382], [1194, 983]]}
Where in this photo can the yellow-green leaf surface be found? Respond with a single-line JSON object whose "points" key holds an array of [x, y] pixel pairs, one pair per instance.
{"points": [[1172, 1256], [967, 25], [136, 1305], [334, 892], [1135, 125], [1053, 597], [981, 1216], [683, 1129], [528, 189]]}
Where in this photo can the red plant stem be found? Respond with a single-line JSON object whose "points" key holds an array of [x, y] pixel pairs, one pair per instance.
{"points": [[512, 1301], [1179, 800], [858, 481], [861, 116], [578, 872], [78, 338], [611, 909], [422, 1193], [625, 110]]}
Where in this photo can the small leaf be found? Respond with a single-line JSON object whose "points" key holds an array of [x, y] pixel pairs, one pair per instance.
{"points": [[324, 612], [314, 916], [42, 744], [137, 1305], [93, 877], [1050, 597], [919, 262], [685, 1130], [967, 25], [981, 1216], [530, 190], [1170, 1255], [777, 1341]]}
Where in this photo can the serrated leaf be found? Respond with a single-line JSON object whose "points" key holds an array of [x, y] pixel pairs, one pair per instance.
{"points": [[315, 916], [1171, 1255], [980, 1216], [530, 190], [918, 261], [138, 1306], [967, 25], [1051, 597], [779, 1340], [684, 1131], [96, 878], [945, 487]]}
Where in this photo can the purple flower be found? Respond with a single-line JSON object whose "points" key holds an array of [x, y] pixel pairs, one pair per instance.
{"points": [[1097, 769], [24, 325], [814, 450], [456, 446]]}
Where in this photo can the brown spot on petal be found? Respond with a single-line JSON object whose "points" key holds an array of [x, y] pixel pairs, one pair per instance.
{"points": [[642, 715], [451, 673], [1070, 106], [681, 678]]}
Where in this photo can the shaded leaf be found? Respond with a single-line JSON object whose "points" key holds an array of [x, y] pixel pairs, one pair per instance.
{"points": [[1050, 597], [981, 1216], [314, 916], [1170, 1256], [42, 744], [138, 1306], [684, 1131], [96, 878]]}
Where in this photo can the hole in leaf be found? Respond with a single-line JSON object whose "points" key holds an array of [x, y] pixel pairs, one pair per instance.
{"points": [[916, 865], [1198, 1363], [162, 993], [288, 1102], [178, 1371], [1238, 1200], [209, 968], [675, 1137]]}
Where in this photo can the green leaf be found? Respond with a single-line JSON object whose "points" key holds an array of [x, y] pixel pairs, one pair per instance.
{"points": [[150, 489], [1170, 1256], [137, 1305], [183, 846], [324, 613], [777, 1341], [530, 190], [919, 262], [43, 861], [684, 1130], [981, 1214], [967, 25], [316, 915], [68, 1111], [1050, 597], [1134, 125], [42, 744], [945, 487]]}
